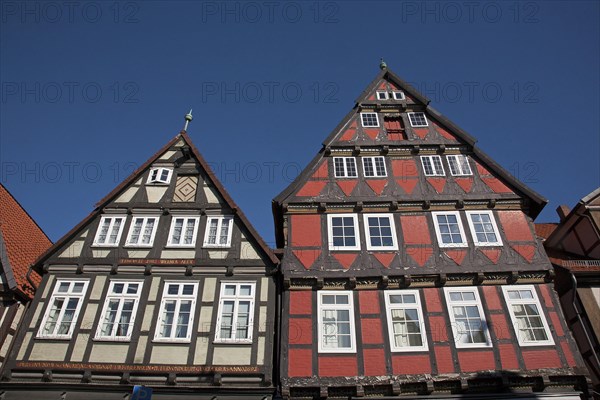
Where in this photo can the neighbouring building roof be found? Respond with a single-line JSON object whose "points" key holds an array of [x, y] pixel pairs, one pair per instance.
{"points": [[21, 242]]}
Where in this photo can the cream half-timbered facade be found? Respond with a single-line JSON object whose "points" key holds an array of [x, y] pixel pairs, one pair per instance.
{"points": [[411, 268], [165, 284]]}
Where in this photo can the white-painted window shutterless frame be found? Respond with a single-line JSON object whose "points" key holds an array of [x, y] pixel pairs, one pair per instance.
{"points": [[63, 309], [235, 318], [342, 232], [527, 315], [469, 326], [335, 313], [176, 314], [109, 231], [119, 310], [406, 326]]}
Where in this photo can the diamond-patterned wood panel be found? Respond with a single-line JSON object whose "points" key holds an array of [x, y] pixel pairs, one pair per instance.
{"points": [[185, 188]]}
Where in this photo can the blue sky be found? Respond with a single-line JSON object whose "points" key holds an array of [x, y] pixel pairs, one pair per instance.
{"points": [[90, 90]]}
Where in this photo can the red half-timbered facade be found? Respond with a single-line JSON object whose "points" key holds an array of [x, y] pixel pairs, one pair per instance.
{"points": [[411, 267]]}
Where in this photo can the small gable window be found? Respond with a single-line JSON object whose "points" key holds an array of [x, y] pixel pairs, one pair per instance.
{"points": [[374, 167], [382, 95], [459, 165], [432, 166], [398, 95], [160, 175], [417, 119], [345, 167], [369, 120], [218, 231]]}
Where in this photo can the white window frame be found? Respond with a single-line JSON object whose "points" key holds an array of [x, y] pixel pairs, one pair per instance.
{"points": [[389, 306], [66, 296], [458, 303], [498, 241], [533, 301], [178, 298], [121, 298], [398, 95], [345, 161], [330, 232], [370, 246], [414, 125], [145, 219], [439, 234], [186, 219], [463, 168], [155, 175], [220, 219], [382, 95], [362, 120], [371, 160], [436, 171], [237, 298], [349, 307], [111, 226]]}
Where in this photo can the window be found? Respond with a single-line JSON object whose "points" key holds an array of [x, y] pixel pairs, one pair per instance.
{"points": [[63, 310], [398, 95], [369, 120], [405, 320], [417, 119], [109, 231], [183, 231], [176, 315], [120, 306], [448, 229], [218, 231], [236, 312], [382, 95], [432, 165], [380, 232], [466, 314], [336, 322], [527, 316], [345, 167], [374, 167], [160, 175], [483, 228], [343, 232], [142, 231], [459, 165]]}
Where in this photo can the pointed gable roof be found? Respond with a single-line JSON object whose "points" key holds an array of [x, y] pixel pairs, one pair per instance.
{"points": [[21, 242], [137, 174]]}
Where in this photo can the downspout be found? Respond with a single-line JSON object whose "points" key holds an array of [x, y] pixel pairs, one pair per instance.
{"points": [[278, 318], [28, 277], [580, 319]]}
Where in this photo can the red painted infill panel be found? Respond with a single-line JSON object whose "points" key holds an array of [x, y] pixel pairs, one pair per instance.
{"points": [[421, 132], [437, 183], [372, 133], [432, 300], [475, 361], [500, 326], [526, 251], [301, 302], [311, 189], [338, 366], [482, 170], [377, 185], [456, 255], [545, 289], [515, 226], [307, 257], [385, 258], [369, 301], [300, 362], [491, 297], [443, 132], [492, 254], [347, 186], [508, 356], [466, 184], [496, 185], [420, 254], [300, 331], [556, 323], [345, 259], [407, 184], [411, 364], [305, 230], [405, 168], [374, 362], [322, 171], [568, 354], [537, 359], [438, 328], [415, 229], [371, 331], [443, 357]]}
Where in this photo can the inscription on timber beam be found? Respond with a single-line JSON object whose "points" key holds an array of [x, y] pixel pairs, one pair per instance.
{"points": [[141, 368], [158, 261]]}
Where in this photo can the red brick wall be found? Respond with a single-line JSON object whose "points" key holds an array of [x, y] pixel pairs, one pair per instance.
{"points": [[475, 361], [369, 302], [300, 362], [411, 364], [301, 302], [536, 359], [300, 331], [305, 230], [374, 362], [338, 366]]}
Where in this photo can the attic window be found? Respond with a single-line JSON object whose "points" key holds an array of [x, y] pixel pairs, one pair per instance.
{"points": [[417, 119], [160, 175], [398, 95], [369, 120], [382, 95]]}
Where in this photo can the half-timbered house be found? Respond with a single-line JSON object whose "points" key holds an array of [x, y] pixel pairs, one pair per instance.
{"points": [[410, 265], [165, 284], [21, 242]]}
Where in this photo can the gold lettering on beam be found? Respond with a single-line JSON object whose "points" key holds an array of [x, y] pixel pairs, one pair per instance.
{"points": [[158, 261], [136, 368]]}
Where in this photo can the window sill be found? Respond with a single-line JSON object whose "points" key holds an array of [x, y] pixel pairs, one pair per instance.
{"points": [[172, 341], [245, 342], [110, 339], [212, 246]]}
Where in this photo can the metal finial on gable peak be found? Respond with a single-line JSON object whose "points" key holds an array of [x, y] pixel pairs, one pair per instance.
{"points": [[188, 117], [382, 64]]}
